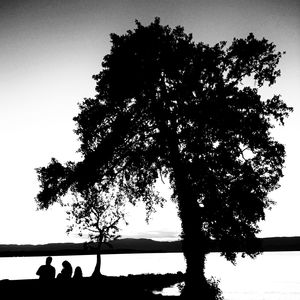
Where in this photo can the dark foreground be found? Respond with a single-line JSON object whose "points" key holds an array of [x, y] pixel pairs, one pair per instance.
{"points": [[104, 287]]}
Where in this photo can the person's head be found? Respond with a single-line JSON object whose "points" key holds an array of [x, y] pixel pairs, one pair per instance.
{"points": [[66, 264], [48, 260], [78, 272]]}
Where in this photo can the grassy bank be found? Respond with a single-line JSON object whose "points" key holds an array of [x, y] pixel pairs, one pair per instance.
{"points": [[105, 287]]}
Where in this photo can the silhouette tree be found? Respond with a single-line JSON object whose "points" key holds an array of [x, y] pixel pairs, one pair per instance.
{"points": [[166, 105], [97, 214]]}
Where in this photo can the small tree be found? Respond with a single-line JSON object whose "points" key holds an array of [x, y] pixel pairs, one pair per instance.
{"points": [[97, 214]]}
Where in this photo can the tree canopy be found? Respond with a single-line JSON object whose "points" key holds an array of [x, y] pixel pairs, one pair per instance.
{"points": [[166, 105]]}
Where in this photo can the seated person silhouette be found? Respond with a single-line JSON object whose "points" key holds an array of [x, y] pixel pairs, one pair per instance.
{"points": [[46, 271], [77, 273], [66, 272]]}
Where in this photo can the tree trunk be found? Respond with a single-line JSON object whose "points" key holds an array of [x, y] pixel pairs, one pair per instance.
{"points": [[195, 245], [97, 272], [194, 240]]}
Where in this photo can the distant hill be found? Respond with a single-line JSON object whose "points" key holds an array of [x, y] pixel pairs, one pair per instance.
{"points": [[140, 246], [117, 246], [281, 243]]}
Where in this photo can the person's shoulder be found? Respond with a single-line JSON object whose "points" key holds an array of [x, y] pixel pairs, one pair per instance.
{"points": [[40, 269]]}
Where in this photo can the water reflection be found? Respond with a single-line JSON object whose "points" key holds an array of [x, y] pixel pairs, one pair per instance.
{"points": [[173, 290]]}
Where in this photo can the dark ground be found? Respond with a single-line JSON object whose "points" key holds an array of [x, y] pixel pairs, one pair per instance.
{"points": [[105, 287]]}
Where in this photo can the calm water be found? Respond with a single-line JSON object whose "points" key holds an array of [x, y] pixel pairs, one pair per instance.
{"points": [[271, 276]]}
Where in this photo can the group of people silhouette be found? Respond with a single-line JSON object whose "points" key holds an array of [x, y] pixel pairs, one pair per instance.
{"points": [[47, 271]]}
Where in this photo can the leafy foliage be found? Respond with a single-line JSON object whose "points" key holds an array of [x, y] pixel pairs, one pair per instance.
{"points": [[96, 214], [166, 105]]}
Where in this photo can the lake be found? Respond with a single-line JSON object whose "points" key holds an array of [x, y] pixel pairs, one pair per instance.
{"points": [[271, 276]]}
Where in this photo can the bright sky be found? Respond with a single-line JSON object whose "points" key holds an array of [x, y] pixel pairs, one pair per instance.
{"points": [[49, 51]]}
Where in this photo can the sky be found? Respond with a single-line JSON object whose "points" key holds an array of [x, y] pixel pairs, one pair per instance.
{"points": [[49, 51]]}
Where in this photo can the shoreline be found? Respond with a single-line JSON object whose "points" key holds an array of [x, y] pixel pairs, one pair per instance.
{"points": [[140, 286]]}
